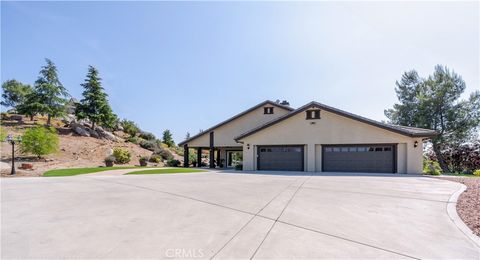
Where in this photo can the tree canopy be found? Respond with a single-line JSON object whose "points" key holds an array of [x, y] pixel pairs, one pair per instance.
{"points": [[167, 138], [435, 103], [94, 106], [49, 93], [14, 93]]}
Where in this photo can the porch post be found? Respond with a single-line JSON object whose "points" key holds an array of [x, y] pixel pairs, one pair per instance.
{"points": [[218, 157], [212, 151], [185, 156], [199, 157]]}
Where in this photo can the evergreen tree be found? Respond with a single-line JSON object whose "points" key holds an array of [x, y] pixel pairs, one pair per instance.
{"points": [[187, 136], [49, 94], [167, 138], [434, 103], [94, 105]]}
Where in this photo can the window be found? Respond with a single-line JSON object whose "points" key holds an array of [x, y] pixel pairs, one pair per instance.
{"points": [[313, 114], [362, 149], [328, 149], [268, 110], [352, 149], [387, 149], [378, 149]]}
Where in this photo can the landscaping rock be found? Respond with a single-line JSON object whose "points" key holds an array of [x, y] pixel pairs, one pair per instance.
{"points": [[106, 135], [93, 133], [79, 129], [16, 117]]}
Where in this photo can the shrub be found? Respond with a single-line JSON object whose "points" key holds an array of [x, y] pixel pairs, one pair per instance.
{"points": [[147, 136], [129, 127], [155, 158], [3, 134], [165, 154], [148, 144], [239, 167], [39, 141], [431, 167], [173, 163], [464, 158], [109, 160], [143, 160], [122, 156], [133, 139], [476, 172]]}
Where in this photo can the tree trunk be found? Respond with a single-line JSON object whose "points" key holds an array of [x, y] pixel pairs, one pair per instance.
{"points": [[49, 119], [440, 158], [31, 117]]}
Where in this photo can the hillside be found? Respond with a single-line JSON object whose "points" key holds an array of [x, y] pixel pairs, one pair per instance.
{"points": [[74, 151]]}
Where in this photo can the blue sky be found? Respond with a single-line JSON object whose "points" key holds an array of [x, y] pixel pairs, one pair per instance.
{"points": [[186, 66]]}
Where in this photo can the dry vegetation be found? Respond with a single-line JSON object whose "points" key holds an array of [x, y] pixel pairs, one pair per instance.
{"points": [[74, 151]]}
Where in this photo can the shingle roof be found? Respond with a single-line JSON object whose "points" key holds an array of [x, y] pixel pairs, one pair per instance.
{"points": [[235, 117], [404, 130]]}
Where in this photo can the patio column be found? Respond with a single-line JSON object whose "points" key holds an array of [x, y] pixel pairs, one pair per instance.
{"points": [[212, 151], [199, 157], [185, 156], [218, 157]]}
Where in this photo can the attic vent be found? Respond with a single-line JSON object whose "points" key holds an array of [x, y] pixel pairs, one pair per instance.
{"points": [[268, 110], [313, 114]]}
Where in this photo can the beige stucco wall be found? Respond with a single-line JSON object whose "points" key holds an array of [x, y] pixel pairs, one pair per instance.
{"points": [[225, 134], [331, 129]]}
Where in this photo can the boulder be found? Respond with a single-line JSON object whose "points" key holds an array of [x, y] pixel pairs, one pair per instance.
{"points": [[16, 117], [106, 135], [79, 129], [93, 133]]}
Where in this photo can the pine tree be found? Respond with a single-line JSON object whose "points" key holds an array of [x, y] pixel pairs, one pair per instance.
{"points": [[49, 94], [94, 105], [167, 138]]}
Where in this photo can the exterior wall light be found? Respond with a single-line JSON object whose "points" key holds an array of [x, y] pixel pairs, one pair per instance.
{"points": [[415, 144], [248, 146]]}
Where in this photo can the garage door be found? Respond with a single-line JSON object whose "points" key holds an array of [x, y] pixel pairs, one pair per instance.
{"points": [[280, 158], [359, 158]]}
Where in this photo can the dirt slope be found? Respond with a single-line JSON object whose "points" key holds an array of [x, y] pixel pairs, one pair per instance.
{"points": [[74, 151]]}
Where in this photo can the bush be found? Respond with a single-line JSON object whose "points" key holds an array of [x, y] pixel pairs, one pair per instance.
{"points": [[173, 163], [3, 134], [239, 167], [143, 160], [147, 136], [129, 127], [148, 144], [464, 158], [109, 160], [165, 154], [39, 141], [155, 158], [133, 139], [431, 167], [476, 172], [122, 156]]}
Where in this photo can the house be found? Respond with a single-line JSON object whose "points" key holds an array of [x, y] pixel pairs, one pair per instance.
{"points": [[313, 138]]}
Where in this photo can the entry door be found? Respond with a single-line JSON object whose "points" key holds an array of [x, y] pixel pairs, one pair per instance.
{"points": [[280, 158], [359, 158]]}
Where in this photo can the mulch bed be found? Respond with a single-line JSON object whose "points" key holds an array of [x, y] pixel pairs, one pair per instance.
{"points": [[468, 205]]}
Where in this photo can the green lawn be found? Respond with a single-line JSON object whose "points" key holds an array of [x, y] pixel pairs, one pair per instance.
{"points": [[164, 171], [77, 171]]}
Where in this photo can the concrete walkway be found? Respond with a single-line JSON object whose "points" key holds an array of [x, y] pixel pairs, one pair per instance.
{"points": [[232, 215]]}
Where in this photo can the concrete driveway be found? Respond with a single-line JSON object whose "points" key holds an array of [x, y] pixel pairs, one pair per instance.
{"points": [[231, 215]]}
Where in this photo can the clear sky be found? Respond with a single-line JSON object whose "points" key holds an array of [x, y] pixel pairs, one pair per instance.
{"points": [[189, 65]]}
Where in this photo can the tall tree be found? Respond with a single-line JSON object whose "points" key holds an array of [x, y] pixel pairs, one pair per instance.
{"points": [[50, 93], [187, 136], [14, 93], [434, 103], [167, 138], [94, 105]]}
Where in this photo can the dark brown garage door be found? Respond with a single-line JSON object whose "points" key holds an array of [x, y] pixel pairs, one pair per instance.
{"points": [[359, 158], [280, 158]]}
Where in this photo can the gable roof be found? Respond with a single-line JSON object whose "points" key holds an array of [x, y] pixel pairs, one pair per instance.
{"points": [[266, 102], [404, 130]]}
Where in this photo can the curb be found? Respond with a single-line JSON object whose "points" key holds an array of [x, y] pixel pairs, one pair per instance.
{"points": [[452, 213]]}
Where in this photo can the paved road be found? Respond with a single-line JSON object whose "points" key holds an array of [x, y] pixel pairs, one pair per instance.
{"points": [[231, 215]]}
